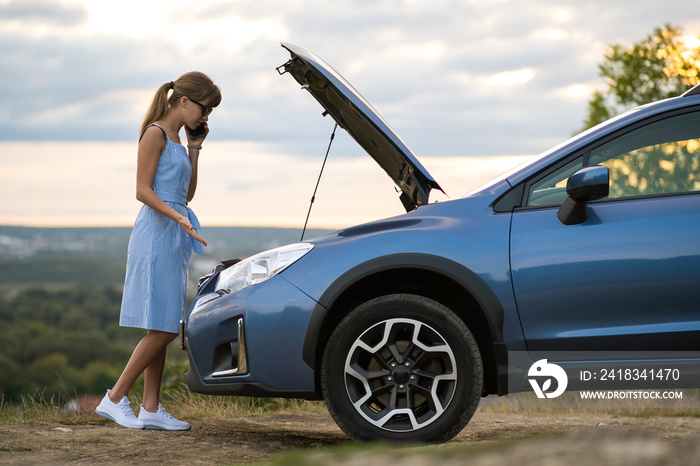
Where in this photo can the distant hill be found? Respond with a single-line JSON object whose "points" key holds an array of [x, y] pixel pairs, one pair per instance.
{"points": [[98, 255]]}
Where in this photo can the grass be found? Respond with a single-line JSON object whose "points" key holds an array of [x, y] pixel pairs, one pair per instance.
{"points": [[180, 402], [354, 453], [97, 439], [571, 403], [183, 403], [15, 449], [187, 404], [32, 408]]}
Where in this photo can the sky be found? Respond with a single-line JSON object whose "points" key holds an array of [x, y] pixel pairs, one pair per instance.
{"points": [[473, 88]]}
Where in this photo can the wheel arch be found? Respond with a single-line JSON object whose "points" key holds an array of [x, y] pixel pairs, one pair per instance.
{"points": [[437, 278]]}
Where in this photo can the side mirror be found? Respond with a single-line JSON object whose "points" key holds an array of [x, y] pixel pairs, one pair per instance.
{"points": [[585, 185]]}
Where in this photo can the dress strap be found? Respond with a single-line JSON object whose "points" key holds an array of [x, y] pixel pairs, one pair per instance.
{"points": [[153, 124]]}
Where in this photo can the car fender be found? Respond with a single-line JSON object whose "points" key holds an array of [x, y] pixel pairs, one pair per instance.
{"points": [[491, 307]]}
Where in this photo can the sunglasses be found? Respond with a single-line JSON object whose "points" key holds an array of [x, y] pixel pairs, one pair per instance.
{"points": [[205, 109]]}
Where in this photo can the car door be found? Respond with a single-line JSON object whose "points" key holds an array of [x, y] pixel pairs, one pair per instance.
{"points": [[628, 277]]}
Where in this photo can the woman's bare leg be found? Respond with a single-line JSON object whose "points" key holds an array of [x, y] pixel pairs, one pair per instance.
{"points": [[152, 377], [150, 349]]}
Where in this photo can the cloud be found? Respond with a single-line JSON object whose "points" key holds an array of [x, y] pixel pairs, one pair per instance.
{"points": [[453, 77], [240, 183], [42, 12], [511, 78], [465, 83]]}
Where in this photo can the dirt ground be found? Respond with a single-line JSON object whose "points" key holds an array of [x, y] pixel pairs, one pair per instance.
{"points": [[540, 439]]}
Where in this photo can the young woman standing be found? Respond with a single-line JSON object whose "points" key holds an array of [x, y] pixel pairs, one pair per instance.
{"points": [[162, 242]]}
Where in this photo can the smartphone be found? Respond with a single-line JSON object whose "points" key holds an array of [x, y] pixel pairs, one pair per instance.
{"points": [[197, 133]]}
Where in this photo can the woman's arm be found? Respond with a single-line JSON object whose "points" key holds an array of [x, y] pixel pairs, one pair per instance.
{"points": [[193, 147], [194, 162], [151, 146]]}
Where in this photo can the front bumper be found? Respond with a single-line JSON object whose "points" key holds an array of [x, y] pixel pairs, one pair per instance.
{"points": [[249, 343]]}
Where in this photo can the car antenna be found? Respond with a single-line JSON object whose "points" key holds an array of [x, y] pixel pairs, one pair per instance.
{"points": [[313, 197]]}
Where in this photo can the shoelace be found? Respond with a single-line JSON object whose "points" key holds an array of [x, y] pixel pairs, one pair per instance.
{"points": [[126, 408], [163, 412]]}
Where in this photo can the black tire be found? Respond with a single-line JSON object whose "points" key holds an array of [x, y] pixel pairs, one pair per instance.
{"points": [[401, 367]]}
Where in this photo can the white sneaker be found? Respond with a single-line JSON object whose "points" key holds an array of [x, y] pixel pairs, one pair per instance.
{"points": [[120, 413], [161, 420]]}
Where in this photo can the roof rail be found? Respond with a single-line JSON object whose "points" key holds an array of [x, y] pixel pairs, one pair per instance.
{"points": [[692, 91]]}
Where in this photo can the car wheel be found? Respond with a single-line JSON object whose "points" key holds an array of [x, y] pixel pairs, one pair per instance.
{"points": [[401, 368]]}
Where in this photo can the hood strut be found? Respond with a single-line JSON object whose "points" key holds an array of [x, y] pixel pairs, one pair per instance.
{"points": [[313, 196]]}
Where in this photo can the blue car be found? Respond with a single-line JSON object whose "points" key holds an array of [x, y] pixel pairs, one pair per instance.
{"points": [[402, 325]]}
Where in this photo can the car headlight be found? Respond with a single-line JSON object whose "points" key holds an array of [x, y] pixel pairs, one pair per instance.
{"points": [[260, 267]]}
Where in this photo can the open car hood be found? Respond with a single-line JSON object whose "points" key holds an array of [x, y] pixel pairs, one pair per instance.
{"points": [[356, 116]]}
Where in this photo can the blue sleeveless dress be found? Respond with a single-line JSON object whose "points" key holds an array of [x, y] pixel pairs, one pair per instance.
{"points": [[159, 252]]}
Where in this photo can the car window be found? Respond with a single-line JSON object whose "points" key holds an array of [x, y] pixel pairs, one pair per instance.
{"points": [[552, 188], [660, 158]]}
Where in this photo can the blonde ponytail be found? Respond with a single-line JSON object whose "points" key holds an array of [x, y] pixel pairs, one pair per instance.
{"points": [[195, 85]]}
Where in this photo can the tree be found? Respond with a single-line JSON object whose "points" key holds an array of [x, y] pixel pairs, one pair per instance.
{"points": [[663, 65], [58, 341]]}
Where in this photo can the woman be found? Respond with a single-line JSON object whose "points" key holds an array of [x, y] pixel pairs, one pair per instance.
{"points": [[161, 244]]}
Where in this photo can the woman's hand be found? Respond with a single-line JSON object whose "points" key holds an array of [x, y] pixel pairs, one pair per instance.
{"points": [[200, 139], [184, 222]]}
